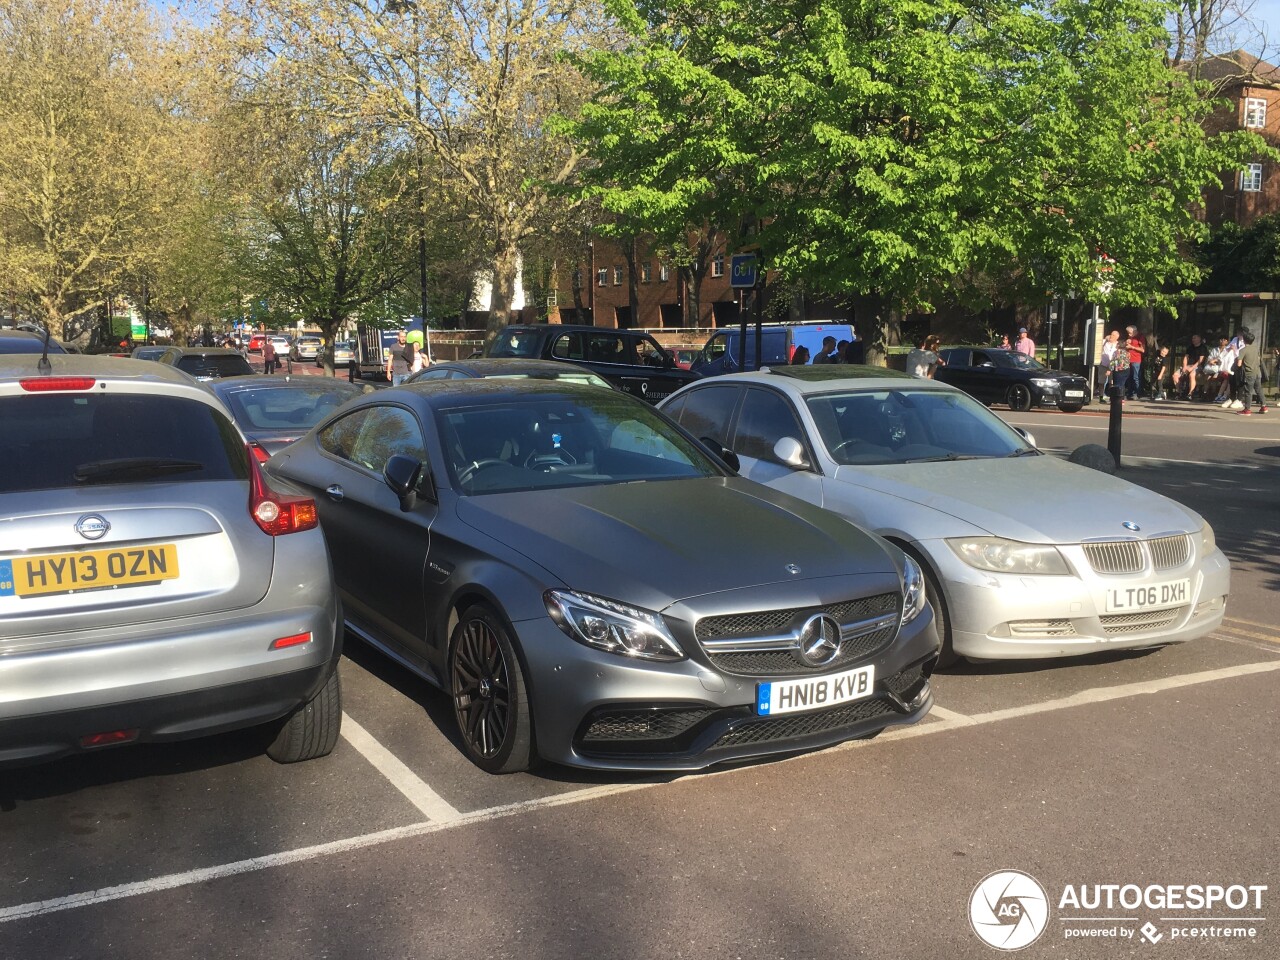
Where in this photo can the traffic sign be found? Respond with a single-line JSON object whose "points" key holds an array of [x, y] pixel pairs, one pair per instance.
{"points": [[742, 270]]}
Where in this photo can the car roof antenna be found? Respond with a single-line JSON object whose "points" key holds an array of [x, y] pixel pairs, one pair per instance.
{"points": [[44, 366]]}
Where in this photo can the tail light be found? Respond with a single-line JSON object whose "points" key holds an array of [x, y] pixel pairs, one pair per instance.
{"points": [[274, 512], [259, 452], [43, 384]]}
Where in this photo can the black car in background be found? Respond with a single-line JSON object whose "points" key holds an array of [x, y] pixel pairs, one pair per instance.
{"points": [[272, 412], [993, 375], [629, 359], [207, 363]]}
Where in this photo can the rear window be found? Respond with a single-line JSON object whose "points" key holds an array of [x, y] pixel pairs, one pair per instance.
{"points": [[516, 343], [55, 441], [28, 345], [216, 365], [287, 408]]}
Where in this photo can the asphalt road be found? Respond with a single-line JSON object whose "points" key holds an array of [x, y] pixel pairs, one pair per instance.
{"points": [[1148, 769]]}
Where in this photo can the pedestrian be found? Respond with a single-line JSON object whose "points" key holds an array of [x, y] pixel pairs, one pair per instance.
{"points": [[1251, 375], [1164, 374], [799, 356], [1136, 348], [842, 352], [1190, 369], [1004, 343], [1025, 345], [1107, 365], [828, 352], [923, 361], [269, 362], [400, 361]]}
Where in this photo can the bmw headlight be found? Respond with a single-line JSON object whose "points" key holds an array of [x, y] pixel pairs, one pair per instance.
{"points": [[612, 626], [1009, 556], [1208, 542], [1044, 384], [913, 597]]}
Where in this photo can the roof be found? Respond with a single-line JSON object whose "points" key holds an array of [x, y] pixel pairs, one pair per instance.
{"points": [[824, 372], [1239, 67], [489, 365], [822, 378], [476, 390], [22, 365]]}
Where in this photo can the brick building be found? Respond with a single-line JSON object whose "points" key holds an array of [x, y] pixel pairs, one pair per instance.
{"points": [[1251, 88]]}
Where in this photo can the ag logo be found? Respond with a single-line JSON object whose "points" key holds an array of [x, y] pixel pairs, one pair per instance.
{"points": [[1009, 910]]}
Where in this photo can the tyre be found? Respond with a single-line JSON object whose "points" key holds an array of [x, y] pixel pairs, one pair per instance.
{"points": [[1072, 408], [312, 730], [1019, 397], [490, 697]]}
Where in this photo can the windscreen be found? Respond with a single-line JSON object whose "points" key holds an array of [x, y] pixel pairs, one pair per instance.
{"points": [[214, 365], [286, 407], [56, 440], [911, 426], [554, 441]]}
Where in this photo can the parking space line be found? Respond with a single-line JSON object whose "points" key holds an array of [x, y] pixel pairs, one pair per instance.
{"points": [[1269, 637], [430, 803], [205, 874], [950, 716], [1250, 623]]}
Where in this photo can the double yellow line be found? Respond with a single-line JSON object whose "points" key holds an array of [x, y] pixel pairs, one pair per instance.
{"points": [[1234, 626]]}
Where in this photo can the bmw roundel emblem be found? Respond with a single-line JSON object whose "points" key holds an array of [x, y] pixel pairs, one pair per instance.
{"points": [[92, 527], [1130, 525], [793, 569]]}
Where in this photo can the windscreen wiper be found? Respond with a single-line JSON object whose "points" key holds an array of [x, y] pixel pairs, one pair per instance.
{"points": [[1027, 452], [946, 456], [133, 468]]}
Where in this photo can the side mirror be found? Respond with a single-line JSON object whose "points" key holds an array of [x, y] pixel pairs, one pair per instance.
{"points": [[723, 454], [405, 476], [1026, 436], [790, 451]]}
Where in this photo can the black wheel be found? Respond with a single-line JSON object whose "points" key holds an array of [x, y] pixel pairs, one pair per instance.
{"points": [[947, 656], [1073, 408], [312, 730], [490, 699], [1019, 398]]}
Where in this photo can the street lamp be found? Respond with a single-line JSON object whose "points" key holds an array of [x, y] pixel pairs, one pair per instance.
{"points": [[410, 7]]}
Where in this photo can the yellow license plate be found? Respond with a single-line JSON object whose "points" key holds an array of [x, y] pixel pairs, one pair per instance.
{"points": [[92, 570]]}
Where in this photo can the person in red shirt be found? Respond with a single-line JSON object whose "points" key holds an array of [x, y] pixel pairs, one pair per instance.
{"points": [[1136, 348]]}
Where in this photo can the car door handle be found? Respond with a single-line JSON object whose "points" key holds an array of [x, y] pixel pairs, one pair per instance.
{"points": [[335, 492]]}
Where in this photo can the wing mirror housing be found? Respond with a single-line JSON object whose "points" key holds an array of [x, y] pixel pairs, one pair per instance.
{"points": [[410, 480], [723, 454], [790, 451], [1026, 436]]}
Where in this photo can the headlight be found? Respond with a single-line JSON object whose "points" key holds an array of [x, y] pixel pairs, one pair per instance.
{"points": [[1009, 556], [1045, 384], [1208, 542], [612, 626], [912, 590]]}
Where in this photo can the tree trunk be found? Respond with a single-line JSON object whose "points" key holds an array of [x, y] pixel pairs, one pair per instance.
{"points": [[506, 259]]}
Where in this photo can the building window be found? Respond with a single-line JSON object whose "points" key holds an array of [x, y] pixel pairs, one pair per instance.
{"points": [[664, 273], [717, 265], [646, 272], [1251, 178], [602, 276], [617, 276], [1255, 112]]}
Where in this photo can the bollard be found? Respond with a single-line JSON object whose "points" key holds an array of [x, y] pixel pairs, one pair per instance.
{"points": [[1115, 393]]}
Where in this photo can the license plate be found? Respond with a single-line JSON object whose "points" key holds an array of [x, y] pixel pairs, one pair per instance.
{"points": [[88, 570], [814, 693], [1073, 393], [1153, 596]]}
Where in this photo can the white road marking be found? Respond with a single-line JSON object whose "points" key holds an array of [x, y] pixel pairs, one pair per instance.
{"points": [[1056, 426], [1241, 631], [1225, 436], [430, 803], [1196, 463], [205, 874], [942, 713]]}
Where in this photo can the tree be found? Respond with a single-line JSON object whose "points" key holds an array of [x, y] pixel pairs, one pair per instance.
{"points": [[88, 140], [470, 83], [892, 149]]}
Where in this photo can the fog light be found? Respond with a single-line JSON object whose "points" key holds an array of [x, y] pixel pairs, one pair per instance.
{"points": [[108, 738]]}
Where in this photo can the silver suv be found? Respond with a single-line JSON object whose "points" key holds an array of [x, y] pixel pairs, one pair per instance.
{"points": [[153, 586]]}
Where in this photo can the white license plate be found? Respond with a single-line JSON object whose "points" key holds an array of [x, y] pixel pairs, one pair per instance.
{"points": [[1073, 393], [1152, 596], [814, 693]]}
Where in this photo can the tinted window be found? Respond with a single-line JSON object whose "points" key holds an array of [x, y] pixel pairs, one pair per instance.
{"points": [[956, 358], [214, 365], [765, 419], [567, 347], [27, 345], [52, 441], [706, 413], [610, 348], [516, 343], [373, 435], [287, 408]]}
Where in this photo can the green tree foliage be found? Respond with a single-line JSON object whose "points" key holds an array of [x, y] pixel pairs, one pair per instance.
{"points": [[912, 150], [1242, 259]]}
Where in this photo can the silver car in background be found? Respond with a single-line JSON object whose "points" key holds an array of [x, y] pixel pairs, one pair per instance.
{"points": [[153, 585], [1025, 555]]}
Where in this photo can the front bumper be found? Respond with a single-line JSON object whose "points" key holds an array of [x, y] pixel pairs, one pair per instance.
{"points": [[1055, 395], [1009, 617], [598, 710]]}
